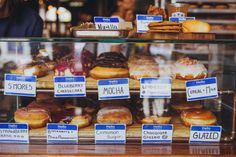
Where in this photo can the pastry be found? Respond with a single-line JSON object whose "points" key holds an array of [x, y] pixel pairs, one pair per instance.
{"points": [[70, 66], [186, 106], [114, 115], [166, 26], [35, 117], [188, 69], [193, 6], [82, 120], [207, 6], [198, 117], [195, 26], [50, 105], [110, 65], [142, 66], [40, 66], [153, 111], [221, 6], [153, 10]]}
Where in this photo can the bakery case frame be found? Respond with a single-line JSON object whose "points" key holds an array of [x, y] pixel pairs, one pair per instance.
{"points": [[217, 55]]}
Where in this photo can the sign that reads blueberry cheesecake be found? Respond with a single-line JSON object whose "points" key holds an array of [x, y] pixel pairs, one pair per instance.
{"points": [[20, 85], [69, 86], [113, 89]]}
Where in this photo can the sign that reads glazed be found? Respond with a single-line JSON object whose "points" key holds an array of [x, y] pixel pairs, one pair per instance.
{"points": [[144, 20], [113, 89], [20, 85], [106, 23], [69, 86], [203, 134]]}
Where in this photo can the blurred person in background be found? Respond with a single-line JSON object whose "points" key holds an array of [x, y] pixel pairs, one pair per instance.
{"points": [[18, 20]]}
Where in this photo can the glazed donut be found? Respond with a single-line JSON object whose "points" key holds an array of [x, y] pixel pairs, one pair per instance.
{"points": [[82, 121], [186, 106], [35, 117], [156, 120], [198, 117], [189, 69], [107, 72]]}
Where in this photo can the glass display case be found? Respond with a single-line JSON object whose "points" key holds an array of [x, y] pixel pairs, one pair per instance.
{"points": [[178, 61]]}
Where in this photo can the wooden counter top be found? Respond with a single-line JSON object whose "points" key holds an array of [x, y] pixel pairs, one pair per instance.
{"points": [[180, 149]]}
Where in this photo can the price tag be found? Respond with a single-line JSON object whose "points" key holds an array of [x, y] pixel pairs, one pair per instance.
{"points": [[180, 19], [155, 88], [204, 134], [14, 133], [19, 85], [201, 89], [110, 133], [144, 20], [109, 23], [113, 89], [62, 133], [153, 133], [69, 86]]}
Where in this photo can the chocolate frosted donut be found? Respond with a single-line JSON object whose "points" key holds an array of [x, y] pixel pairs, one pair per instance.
{"points": [[111, 59], [110, 65]]}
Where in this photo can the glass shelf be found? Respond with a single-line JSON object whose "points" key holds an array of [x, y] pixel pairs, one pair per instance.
{"points": [[117, 40]]}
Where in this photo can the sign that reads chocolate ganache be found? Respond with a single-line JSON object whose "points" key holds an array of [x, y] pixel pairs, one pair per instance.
{"points": [[69, 86], [110, 133], [20, 85], [113, 89]]}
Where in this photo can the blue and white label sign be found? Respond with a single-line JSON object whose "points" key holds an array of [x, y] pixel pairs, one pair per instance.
{"points": [[110, 133], [69, 86], [62, 133], [203, 134], [144, 20], [14, 133], [155, 87], [180, 19], [155, 133], [113, 89], [20, 85], [109, 23], [201, 89]]}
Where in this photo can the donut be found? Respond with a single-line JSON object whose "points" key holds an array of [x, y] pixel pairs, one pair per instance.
{"points": [[198, 117], [114, 115], [186, 106], [109, 65], [35, 117], [156, 120], [188, 69], [106, 72], [82, 121]]}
